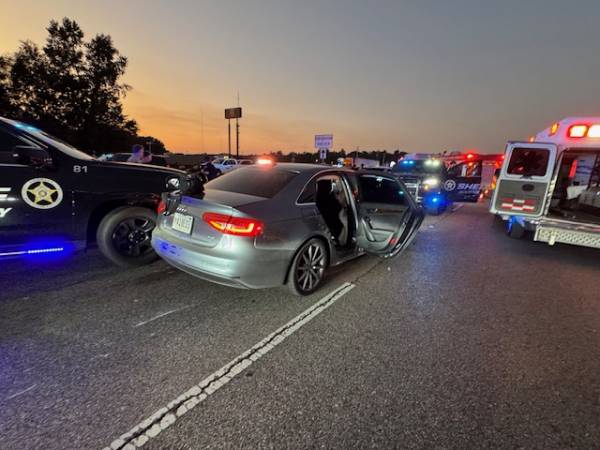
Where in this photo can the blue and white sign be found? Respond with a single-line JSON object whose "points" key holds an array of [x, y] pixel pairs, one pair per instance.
{"points": [[323, 141]]}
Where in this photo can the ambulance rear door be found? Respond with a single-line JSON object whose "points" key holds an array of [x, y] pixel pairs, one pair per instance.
{"points": [[524, 181]]}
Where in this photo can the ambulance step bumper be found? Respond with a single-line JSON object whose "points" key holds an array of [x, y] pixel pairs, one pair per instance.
{"points": [[552, 235]]}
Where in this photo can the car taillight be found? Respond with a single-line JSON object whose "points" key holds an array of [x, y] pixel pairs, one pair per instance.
{"points": [[162, 207], [237, 226]]}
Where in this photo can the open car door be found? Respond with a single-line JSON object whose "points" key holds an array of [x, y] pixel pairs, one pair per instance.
{"points": [[524, 181], [388, 217], [464, 182]]}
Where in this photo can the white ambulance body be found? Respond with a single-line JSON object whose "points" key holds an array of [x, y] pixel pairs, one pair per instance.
{"points": [[551, 185]]}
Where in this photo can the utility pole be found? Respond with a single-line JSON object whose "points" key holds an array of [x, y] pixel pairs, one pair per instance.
{"points": [[237, 131], [229, 137], [237, 139]]}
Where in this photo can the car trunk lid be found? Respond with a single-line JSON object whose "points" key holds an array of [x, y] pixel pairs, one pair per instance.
{"points": [[184, 217]]}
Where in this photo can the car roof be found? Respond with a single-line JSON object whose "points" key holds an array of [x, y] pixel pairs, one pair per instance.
{"points": [[308, 168]]}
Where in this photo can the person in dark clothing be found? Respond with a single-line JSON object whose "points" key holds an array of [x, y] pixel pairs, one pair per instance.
{"points": [[329, 207], [209, 170]]}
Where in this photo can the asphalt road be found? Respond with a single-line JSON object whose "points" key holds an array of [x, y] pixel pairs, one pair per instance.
{"points": [[468, 340]]}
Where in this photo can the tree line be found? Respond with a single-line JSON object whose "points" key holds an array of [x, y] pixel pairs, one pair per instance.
{"points": [[71, 88]]}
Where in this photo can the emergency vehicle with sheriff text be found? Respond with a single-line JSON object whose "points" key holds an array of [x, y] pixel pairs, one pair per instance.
{"points": [[55, 199], [550, 186]]}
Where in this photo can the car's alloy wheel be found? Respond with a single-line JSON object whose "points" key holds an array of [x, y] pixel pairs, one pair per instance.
{"points": [[125, 236], [132, 237], [308, 268]]}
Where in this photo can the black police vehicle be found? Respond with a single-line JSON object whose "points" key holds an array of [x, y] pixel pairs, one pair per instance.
{"points": [[436, 187], [55, 199]]}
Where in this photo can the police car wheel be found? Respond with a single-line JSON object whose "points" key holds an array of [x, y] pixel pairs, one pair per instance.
{"points": [[514, 229], [124, 236]]}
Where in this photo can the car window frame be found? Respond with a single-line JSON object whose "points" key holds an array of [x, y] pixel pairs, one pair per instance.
{"points": [[407, 200], [314, 177], [27, 143]]}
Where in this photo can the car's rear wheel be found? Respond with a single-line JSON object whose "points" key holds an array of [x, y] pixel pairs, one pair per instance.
{"points": [[124, 236], [308, 268]]}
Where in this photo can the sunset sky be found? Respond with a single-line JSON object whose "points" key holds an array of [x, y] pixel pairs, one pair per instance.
{"points": [[411, 75]]}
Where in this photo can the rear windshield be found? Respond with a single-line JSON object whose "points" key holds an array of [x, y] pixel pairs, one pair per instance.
{"points": [[252, 181], [528, 162]]}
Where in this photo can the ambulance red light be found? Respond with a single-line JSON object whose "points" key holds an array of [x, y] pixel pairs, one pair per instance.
{"points": [[594, 131], [470, 156], [578, 131]]}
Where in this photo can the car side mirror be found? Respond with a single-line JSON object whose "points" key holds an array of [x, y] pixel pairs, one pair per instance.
{"points": [[32, 156]]}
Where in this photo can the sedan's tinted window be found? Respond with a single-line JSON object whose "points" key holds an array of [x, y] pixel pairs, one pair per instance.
{"points": [[374, 189], [252, 181], [309, 194], [8, 142], [528, 162]]}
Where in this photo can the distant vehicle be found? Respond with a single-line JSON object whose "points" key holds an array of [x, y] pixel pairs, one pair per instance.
{"points": [[435, 186], [551, 185], [157, 160], [225, 165], [283, 224], [55, 199]]}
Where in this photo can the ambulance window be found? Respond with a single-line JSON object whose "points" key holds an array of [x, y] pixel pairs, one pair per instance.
{"points": [[528, 162]]}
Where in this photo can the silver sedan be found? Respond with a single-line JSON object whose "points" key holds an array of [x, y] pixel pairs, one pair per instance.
{"points": [[284, 224]]}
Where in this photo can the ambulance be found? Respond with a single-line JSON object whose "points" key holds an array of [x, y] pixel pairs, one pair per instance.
{"points": [[550, 186]]}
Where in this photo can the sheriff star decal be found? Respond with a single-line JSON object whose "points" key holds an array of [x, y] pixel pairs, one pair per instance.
{"points": [[42, 193]]}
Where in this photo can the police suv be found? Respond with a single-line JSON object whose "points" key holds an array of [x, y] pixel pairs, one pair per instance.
{"points": [[551, 185], [435, 186], [55, 199]]}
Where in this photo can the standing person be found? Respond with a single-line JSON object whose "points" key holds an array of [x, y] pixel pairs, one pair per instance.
{"points": [[210, 170], [138, 156]]}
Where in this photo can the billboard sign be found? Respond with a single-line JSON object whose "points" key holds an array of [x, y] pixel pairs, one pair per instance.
{"points": [[233, 113]]}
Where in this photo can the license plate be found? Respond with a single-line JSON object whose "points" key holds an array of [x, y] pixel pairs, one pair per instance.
{"points": [[183, 223]]}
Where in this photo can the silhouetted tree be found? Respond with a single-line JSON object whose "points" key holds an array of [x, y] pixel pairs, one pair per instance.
{"points": [[70, 88]]}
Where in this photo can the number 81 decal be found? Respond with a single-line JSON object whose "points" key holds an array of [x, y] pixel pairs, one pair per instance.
{"points": [[80, 169]]}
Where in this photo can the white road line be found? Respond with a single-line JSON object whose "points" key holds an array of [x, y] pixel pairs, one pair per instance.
{"points": [[21, 392], [160, 315], [165, 417]]}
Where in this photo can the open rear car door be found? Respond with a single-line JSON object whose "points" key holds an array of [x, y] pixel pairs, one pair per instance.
{"points": [[524, 182], [388, 217]]}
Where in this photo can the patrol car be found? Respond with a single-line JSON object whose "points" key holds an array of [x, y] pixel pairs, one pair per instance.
{"points": [[55, 199], [550, 185], [435, 186]]}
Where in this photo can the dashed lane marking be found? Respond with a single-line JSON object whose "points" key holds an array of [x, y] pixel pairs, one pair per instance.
{"points": [[159, 316], [16, 394], [165, 417]]}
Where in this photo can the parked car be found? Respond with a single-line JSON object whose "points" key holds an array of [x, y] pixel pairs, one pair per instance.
{"points": [[55, 199], [224, 165], [284, 224]]}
